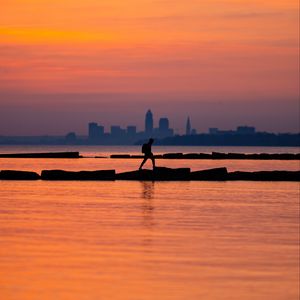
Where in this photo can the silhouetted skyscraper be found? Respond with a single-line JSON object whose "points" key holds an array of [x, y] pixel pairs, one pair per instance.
{"points": [[163, 129], [188, 127], [116, 131], [163, 124], [131, 130], [149, 123], [95, 131]]}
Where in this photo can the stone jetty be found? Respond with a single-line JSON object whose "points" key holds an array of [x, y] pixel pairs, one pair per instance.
{"points": [[213, 155], [158, 174], [42, 155], [218, 155]]}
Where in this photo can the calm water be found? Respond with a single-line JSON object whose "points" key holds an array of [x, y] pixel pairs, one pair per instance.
{"points": [[145, 240], [91, 163]]}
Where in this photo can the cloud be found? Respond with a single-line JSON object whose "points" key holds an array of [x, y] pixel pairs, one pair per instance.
{"points": [[256, 15]]}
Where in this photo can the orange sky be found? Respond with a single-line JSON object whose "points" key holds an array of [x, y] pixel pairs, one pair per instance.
{"points": [[212, 49]]}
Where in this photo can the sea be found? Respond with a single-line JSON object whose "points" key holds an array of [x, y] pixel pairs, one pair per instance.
{"points": [[131, 240]]}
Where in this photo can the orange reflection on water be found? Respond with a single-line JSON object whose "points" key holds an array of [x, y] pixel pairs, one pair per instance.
{"points": [[149, 240]]}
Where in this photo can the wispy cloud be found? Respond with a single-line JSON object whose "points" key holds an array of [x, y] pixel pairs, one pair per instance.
{"points": [[256, 15]]}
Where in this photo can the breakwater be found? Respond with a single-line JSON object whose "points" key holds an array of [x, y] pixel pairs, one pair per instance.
{"points": [[158, 174], [218, 155], [42, 155], [213, 155]]}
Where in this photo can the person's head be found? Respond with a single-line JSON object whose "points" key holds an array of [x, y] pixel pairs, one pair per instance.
{"points": [[151, 141]]}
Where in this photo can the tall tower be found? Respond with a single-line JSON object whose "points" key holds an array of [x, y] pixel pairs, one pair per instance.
{"points": [[188, 127], [163, 124], [93, 131], [149, 122]]}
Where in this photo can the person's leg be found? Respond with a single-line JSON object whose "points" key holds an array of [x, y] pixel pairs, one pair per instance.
{"points": [[153, 161], [143, 162]]}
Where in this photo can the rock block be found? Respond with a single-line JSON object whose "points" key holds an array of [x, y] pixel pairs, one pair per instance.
{"points": [[265, 176], [18, 175], [191, 156], [120, 156], [173, 155], [218, 155], [136, 175], [81, 175], [42, 155], [162, 173], [210, 174]]}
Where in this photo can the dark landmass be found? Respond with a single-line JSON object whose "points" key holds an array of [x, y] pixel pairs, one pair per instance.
{"points": [[222, 138], [158, 174], [42, 155], [256, 139]]}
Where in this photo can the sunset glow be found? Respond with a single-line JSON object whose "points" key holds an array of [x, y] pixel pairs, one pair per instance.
{"points": [[212, 50], [149, 150]]}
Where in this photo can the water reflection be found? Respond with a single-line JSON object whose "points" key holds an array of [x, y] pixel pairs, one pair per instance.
{"points": [[147, 204], [162, 240], [147, 189]]}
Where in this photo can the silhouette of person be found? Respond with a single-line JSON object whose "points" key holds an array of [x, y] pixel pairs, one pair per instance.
{"points": [[146, 149]]}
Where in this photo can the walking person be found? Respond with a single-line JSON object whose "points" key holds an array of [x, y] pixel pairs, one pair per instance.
{"points": [[146, 149]]}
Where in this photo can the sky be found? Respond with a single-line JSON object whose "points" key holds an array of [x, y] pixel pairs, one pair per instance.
{"points": [[64, 63]]}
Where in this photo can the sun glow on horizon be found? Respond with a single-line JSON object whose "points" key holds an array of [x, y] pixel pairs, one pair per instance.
{"points": [[213, 50]]}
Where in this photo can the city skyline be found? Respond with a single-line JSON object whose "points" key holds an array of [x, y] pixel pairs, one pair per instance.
{"points": [[223, 63], [149, 129], [221, 116], [162, 130], [130, 134]]}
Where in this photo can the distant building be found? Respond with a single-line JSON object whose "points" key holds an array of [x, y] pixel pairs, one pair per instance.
{"points": [[213, 130], [149, 123], [239, 130], [100, 130], [71, 137], [193, 131], [163, 124], [92, 130], [95, 131], [116, 131], [131, 131], [245, 130], [163, 129], [188, 127]]}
